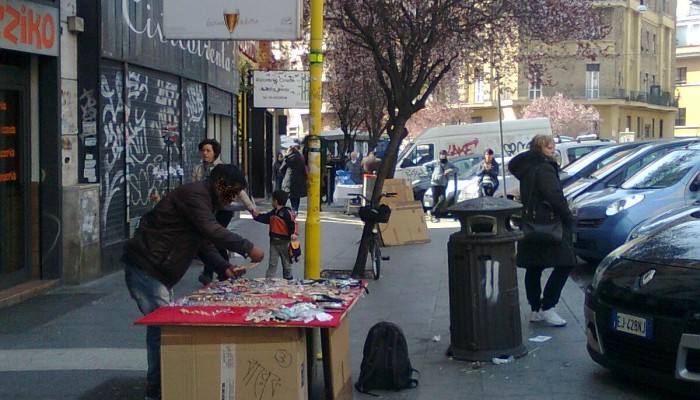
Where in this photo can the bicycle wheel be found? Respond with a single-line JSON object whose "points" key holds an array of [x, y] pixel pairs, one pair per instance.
{"points": [[376, 257]]}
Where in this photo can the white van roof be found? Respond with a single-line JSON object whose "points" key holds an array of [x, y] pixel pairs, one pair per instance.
{"points": [[482, 127]]}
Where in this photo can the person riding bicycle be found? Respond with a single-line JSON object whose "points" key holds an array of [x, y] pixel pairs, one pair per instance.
{"points": [[489, 168]]}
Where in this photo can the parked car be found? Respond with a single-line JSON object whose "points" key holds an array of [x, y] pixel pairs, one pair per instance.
{"points": [[603, 219], [642, 309], [463, 163], [569, 151], [593, 161], [622, 166], [666, 220]]}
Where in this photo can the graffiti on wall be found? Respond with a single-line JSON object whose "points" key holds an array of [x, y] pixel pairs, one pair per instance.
{"points": [[194, 124], [153, 152], [112, 158]]}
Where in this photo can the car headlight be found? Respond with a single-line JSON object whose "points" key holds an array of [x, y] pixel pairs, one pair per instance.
{"points": [[623, 204], [608, 261]]}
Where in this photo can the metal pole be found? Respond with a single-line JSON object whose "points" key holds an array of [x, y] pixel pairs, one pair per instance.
{"points": [[500, 130], [312, 259]]}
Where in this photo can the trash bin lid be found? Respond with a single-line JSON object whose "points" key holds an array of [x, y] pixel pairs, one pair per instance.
{"points": [[485, 204]]}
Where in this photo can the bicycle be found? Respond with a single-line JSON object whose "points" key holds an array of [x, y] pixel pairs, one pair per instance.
{"points": [[374, 215]]}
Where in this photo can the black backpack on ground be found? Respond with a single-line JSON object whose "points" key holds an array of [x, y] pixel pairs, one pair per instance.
{"points": [[385, 363]]}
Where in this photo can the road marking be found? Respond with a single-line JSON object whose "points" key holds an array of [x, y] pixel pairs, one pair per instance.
{"points": [[73, 359]]}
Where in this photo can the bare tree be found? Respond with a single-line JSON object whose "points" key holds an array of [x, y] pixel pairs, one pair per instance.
{"points": [[416, 43]]}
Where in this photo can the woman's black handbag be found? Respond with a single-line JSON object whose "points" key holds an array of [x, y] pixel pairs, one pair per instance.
{"points": [[541, 224]]}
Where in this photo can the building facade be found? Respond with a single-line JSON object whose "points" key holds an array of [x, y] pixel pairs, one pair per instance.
{"points": [[632, 87], [100, 116], [687, 119], [30, 149]]}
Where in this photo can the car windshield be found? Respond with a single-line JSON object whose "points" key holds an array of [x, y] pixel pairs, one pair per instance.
{"points": [[576, 166], [469, 172], [611, 163], [665, 171]]}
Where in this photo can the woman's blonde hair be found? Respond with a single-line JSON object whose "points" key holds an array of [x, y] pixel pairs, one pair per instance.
{"points": [[539, 142]]}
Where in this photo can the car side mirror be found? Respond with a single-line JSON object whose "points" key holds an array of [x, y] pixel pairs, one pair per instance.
{"points": [[406, 163]]}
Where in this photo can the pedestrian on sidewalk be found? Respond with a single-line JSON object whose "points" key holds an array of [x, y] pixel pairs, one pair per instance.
{"points": [[295, 176], [180, 226], [277, 171], [283, 229], [209, 151], [538, 173], [439, 171], [371, 163], [354, 168]]}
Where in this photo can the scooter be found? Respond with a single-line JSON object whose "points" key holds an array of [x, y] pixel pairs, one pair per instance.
{"points": [[486, 187]]}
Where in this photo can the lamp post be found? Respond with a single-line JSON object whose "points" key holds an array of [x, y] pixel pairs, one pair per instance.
{"points": [[500, 131]]}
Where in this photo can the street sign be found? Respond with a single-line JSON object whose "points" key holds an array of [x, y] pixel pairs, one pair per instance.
{"points": [[281, 89]]}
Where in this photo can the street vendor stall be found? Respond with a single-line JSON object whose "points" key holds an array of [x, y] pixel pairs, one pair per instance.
{"points": [[250, 339]]}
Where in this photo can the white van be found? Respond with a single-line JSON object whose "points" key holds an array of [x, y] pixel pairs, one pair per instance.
{"points": [[467, 139]]}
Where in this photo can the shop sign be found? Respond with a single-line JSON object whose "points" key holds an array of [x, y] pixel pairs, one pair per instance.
{"points": [[281, 89], [232, 19], [29, 27]]}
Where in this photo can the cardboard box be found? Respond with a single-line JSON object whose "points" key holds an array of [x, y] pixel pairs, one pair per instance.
{"points": [[338, 350], [402, 188], [406, 225], [233, 363]]}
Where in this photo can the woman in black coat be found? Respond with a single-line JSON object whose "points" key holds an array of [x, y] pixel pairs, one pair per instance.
{"points": [[538, 174], [294, 183]]}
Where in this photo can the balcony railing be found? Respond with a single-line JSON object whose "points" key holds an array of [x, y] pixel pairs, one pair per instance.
{"points": [[655, 97]]}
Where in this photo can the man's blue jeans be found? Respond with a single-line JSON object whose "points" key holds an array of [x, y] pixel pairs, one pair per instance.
{"points": [[149, 294]]}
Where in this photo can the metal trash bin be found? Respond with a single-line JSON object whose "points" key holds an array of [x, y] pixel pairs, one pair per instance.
{"points": [[484, 302]]}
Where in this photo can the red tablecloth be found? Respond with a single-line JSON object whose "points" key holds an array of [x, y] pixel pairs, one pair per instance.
{"points": [[234, 316]]}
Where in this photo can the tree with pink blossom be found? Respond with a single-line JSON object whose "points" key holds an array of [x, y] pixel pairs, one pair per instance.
{"points": [[415, 44], [566, 117]]}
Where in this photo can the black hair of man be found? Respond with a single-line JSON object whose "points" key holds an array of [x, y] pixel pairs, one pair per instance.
{"points": [[228, 174], [216, 146], [280, 196], [489, 152]]}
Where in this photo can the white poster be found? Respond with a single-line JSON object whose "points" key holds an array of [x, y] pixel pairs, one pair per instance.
{"points": [[232, 19], [228, 371], [281, 89]]}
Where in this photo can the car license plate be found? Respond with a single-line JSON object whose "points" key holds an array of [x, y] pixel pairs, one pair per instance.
{"points": [[632, 324]]}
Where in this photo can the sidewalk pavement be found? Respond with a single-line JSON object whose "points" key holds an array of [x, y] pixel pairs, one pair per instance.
{"points": [[78, 342]]}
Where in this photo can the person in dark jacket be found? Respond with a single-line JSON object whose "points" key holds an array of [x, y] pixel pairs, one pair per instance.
{"points": [[168, 238], [277, 171], [294, 182], [283, 229], [491, 169], [354, 168], [537, 171]]}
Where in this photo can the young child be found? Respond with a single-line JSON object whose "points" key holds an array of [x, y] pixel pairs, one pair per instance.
{"points": [[283, 229]]}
